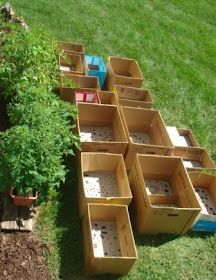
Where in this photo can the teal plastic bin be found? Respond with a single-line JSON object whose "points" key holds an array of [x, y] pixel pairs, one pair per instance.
{"points": [[96, 67]]}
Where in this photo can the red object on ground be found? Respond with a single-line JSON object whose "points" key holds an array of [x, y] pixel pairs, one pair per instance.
{"points": [[84, 96]]}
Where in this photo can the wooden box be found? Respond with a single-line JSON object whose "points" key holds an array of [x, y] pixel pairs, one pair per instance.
{"points": [[205, 187], [80, 81], [70, 63], [68, 94], [146, 133], [182, 137], [163, 195], [101, 129], [133, 97], [74, 48], [194, 158], [107, 97], [109, 246], [123, 71], [105, 183]]}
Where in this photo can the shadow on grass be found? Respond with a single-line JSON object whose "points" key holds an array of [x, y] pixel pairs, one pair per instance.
{"points": [[70, 242], [160, 239], [148, 240]]}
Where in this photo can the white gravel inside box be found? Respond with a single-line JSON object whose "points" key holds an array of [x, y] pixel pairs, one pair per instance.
{"points": [[140, 138], [207, 205], [67, 68], [158, 187], [191, 163], [105, 239], [186, 142], [88, 134], [100, 184]]}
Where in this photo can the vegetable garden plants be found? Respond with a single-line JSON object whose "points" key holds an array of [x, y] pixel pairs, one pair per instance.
{"points": [[32, 150]]}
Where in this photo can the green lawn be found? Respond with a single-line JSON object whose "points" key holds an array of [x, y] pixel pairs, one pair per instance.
{"points": [[175, 43]]}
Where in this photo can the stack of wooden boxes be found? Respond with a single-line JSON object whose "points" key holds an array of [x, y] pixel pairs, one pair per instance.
{"points": [[129, 155]]}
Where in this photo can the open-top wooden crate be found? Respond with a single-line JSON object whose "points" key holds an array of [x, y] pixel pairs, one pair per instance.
{"points": [[103, 179], [133, 97], [205, 187], [109, 245], [101, 129], [107, 97], [70, 63], [74, 48], [194, 158], [146, 133], [182, 137], [163, 195], [123, 71]]}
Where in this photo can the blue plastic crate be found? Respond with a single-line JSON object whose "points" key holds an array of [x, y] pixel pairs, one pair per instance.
{"points": [[205, 225], [95, 67]]}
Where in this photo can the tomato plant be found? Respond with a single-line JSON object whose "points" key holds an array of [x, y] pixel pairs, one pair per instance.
{"points": [[32, 150]]}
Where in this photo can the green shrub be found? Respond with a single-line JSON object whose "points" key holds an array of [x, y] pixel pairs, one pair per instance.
{"points": [[29, 60], [32, 151]]}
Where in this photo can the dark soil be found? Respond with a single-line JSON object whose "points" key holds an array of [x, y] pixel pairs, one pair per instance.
{"points": [[22, 257]]}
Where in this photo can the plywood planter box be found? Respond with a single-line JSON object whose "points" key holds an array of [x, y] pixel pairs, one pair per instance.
{"points": [[103, 179], [163, 195], [100, 129], [74, 48], [182, 137], [79, 81], [133, 97], [194, 158], [79, 95], [123, 71], [109, 246], [205, 188], [146, 133], [70, 63], [94, 66]]}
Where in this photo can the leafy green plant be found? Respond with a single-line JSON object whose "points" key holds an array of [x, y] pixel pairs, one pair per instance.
{"points": [[32, 151], [34, 160], [28, 56]]}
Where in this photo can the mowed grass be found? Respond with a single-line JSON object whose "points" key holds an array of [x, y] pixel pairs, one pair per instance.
{"points": [[174, 43]]}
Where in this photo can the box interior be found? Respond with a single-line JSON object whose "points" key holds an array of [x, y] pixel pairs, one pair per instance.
{"points": [[131, 93], [106, 97], [70, 62], [105, 239], [107, 180], [205, 189], [146, 127], [125, 67], [100, 123], [111, 232], [84, 81], [93, 67], [166, 182], [182, 137], [188, 136], [100, 184], [69, 94], [194, 157]]}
